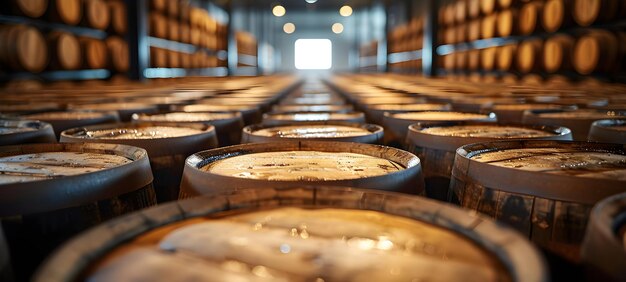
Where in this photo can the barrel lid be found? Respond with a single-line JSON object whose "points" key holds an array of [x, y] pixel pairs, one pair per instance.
{"points": [[520, 258], [450, 143], [586, 190], [74, 190], [17, 131], [369, 133], [200, 136]]}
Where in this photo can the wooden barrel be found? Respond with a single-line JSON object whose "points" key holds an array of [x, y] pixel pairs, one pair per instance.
{"points": [[529, 55], [557, 53], [158, 5], [488, 58], [158, 57], [600, 51], [397, 124], [544, 189], [514, 113], [284, 109], [602, 251], [63, 120], [119, 18], [23, 48], [507, 22], [435, 145], [94, 52], [55, 191], [488, 26], [608, 131], [124, 110], [473, 30], [15, 132], [64, 50], [375, 113], [228, 125], [529, 20], [250, 114], [289, 163], [473, 59], [96, 14], [488, 7], [557, 14], [460, 11], [171, 9], [303, 118], [579, 121], [28, 8], [442, 228], [173, 30], [118, 50], [473, 8], [157, 25], [67, 11], [332, 131], [506, 55], [167, 145], [588, 12]]}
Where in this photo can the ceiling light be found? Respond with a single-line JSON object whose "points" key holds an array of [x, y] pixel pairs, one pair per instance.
{"points": [[337, 28], [310, 1], [289, 28], [279, 11], [345, 11]]}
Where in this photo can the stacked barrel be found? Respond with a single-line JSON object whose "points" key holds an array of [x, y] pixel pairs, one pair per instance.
{"points": [[505, 150], [29, 49], [367, 56], [537, 37], [246, 45], [178, 21], [406, 38]]}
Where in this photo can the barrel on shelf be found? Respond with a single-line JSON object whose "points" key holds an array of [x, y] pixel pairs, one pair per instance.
{"points": [[64, 51], [600, 51], [397, 124], [282, 164], [603, 250], [119, 18], [72, 187], [436, 144], [544, 189], [530, 55], [94, 52], [530, 15], [557, 14], [67, 11], [15, 132], [557, 53], [609, 131], [332, 131], [23, 48], [63, 120], [579, 121], [228, 125], [119, 58], [473, 244], [96, 14], [588, 12], [167, 145], [28, 8]]}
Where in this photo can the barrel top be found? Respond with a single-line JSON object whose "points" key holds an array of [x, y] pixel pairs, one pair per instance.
{"points": [[583, 163], [188, 117], [584, 114], [67, 115], [49, 165], [312, 131], [137, 132], [409, 107], [313, 116], [210, 108], [380, 241], [442, 116], [114, 106], [611, 124], [290, 220], [303, 165], [490, 131], [18, 126]]}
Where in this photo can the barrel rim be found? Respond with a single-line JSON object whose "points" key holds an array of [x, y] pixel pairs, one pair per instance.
{"points": [[537, 114], [545, 185], [375, 133], [156, 147], [490, 116], [452, 143], [340, 108], [197, 181], [140, 117], [74, 190], [353, 116], [603, 131], [103, 115], [43, 131], [522, 260]]}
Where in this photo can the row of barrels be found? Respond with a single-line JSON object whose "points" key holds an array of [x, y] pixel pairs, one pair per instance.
{"points": [[517, 183], [163, 27], [266, 166], [183, 13], [25, 48], [246, 43], [551, 15], [98, 14], [164, 58], [406, 37], [597, 51]]}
